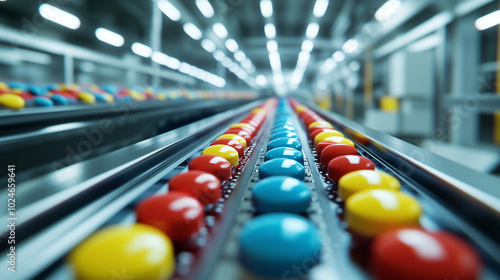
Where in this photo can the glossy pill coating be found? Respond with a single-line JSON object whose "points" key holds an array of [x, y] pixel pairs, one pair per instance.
{"points": [[202, 185], [281, 194], [324, 135], [141, 251], [227, 152], [282, 167], [342, 165], [322, 145], [361, 180], [215, 165], [414, 254], [232, 143], [246, 129], [339, 140], [12, 101], [285, 153], [270, 245], [285, 142], [86, 97], [176, 214], [372, 212], [284, 134], [315, 131], [245, 134], [59, 99], [234, 137], [335, 150], [319, 123], [276, 128], [43, 101]]}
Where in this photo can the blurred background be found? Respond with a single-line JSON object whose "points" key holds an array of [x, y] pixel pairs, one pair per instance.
{"points": [[424, 71]]}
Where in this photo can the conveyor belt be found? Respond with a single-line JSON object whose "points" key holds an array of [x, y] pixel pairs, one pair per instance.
{"points": [[116, 182]]}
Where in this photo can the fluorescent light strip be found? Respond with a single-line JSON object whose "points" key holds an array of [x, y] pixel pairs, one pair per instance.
{"points": [[208, 45], [205, 8], [320, 8], [109, 37], [141, 49], [192, 31], [220, 30], [488, 21], [240, 56], [350, 46], [59, 16], [266, 8], [272, 46], [231, 45], [169, 10], [307, 46], [312, 30], [387, 10], [188, 69], [275, 60], [219, 55], [270, 30]]}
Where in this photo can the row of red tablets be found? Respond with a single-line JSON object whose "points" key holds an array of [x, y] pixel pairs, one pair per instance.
{"points": [[382, 219], [178, 216]]}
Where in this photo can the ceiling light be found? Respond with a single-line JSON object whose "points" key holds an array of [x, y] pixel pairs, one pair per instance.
{"points": [[266, 8], [185, 68], [488, 20], [220, 30], [159, 57], [350, 46], [110, 37], [59, 16], [208, 45], [307, 46], [272, 46], [278, 78], [261, 80], [141, 49], [169, 10], [240, 56], [320, 8], [338, 56], [231, 45], [172, 63], [387, 10], [227, 62], [354, 66], [312, 30], [275, 60], [219, 55], [205, 8], [270, 30], [193, 31], [304, 57]]}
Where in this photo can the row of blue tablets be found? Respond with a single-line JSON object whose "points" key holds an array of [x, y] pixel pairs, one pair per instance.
{"points": [[280, 238]]}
